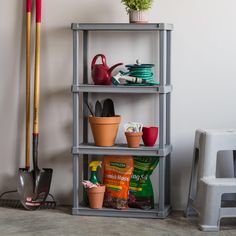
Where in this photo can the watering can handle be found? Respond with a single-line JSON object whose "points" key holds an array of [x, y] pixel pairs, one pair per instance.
{"points": [[96, 57]]}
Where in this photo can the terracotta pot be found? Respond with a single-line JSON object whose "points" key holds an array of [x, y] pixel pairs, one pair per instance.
{"points": [[104, 130], [96, 196], [138, 16], [133, 139]]}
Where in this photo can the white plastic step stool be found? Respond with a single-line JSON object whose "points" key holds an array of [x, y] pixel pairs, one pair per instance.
{"points": [[205, 192]]}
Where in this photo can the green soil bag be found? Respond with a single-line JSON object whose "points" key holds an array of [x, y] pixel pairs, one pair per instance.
{"points": [[141, 191]]}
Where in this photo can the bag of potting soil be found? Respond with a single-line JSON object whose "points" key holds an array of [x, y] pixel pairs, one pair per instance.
{"points": [[141, 191], [117, 172]]}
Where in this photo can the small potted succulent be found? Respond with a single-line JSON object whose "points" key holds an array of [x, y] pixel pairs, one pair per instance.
{"points": [[133, 133], [137, 10]]}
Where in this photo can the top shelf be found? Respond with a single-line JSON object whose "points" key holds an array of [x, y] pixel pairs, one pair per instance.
{"points": [[121, 26]]}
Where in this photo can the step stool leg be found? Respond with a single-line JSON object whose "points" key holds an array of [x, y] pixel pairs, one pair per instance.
{"points": [[209, 215], [193, 183]]}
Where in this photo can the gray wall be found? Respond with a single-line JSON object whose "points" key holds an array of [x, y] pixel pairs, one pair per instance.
{"points": [[203, 75]]}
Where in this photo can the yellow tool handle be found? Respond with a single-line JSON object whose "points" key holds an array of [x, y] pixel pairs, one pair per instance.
{"points": [[37, 80], [27, 132]]}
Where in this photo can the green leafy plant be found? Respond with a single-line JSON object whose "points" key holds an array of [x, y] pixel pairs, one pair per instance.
{"points": [[137, 5]]}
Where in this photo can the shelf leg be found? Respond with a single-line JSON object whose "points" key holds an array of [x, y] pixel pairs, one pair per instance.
{"points": [[164, 121], [85, 81], [85, 137], [168, 115], [168, 57], [75, 58], [75, 181], [162, 97], [163, 52], [75, 120], [168, 82], [85, 100], [234, 156], [161, 184], [85, 56], [234, 163], [75, 95], [167, 180]]}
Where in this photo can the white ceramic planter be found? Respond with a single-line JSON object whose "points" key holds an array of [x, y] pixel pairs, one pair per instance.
{"points": [[138, 16]]}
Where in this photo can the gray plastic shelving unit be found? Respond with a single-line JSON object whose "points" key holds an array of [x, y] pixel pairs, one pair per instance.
{"points": [[162, 151]]}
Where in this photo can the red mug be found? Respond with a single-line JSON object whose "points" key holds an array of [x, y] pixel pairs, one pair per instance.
{"points": [[150, 135]]}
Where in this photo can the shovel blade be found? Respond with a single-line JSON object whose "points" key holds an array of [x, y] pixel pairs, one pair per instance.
{"points": [[25, 188], [33, 190], [42, 184]]}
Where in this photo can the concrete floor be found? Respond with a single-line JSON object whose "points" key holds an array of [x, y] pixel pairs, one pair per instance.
{"points": [[61, 222]]}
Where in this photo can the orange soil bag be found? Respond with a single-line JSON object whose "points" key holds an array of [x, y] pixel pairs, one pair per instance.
{"points": [[117, 172]]}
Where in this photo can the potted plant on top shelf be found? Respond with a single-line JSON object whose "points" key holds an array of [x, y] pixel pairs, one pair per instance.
{"points": [[137, 10]]}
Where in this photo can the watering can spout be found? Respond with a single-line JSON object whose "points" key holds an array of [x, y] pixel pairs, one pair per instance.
{"points": [[114, 66]]}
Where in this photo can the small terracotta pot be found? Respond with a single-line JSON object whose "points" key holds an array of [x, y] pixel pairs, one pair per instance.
{"points": [[104, 130], [133, 139], [96, 196]]}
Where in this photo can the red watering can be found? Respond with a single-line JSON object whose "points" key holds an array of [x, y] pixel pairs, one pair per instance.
{"points": [[101, 73]]}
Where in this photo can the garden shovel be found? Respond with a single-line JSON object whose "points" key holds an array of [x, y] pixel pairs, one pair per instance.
{"points": [[34, 186], [42, 178], [25, 176]]}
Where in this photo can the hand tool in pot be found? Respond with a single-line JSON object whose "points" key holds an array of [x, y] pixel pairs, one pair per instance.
{"points": [[108, 108], [98, 109]]}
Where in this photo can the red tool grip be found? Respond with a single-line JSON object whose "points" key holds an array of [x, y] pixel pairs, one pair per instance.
{"points": [[28, 5], [38, 10]]}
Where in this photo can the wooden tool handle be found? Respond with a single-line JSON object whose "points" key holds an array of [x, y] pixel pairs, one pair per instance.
{"points": [[37, 69], [36, 88], [28, 70]]}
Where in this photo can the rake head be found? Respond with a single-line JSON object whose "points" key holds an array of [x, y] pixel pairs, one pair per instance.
{"points": [[16, 203]]}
